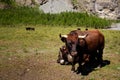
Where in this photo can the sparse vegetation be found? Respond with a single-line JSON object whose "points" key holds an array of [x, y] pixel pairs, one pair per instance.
{"points": [[74, 2], [10, 3], [28, 16]]}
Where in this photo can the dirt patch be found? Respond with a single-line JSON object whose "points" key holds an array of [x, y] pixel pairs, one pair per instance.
{"points": [[44, 67]]}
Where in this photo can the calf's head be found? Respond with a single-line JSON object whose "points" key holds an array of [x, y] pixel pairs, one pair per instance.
{"points": [[63, 55]]}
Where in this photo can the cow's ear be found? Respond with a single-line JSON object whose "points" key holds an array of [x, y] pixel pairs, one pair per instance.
{"points": [[63, 37]]}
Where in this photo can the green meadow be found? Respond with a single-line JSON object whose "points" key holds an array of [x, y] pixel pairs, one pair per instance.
{"points": [[32, 55]]}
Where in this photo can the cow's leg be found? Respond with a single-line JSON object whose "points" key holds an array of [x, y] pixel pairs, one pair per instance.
{"points": [[73, 66], [58, 60], [100, 57], [79, 69], [73, 63]]}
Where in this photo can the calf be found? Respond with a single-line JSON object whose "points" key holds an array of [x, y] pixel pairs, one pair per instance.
{"points": [[63, 56], [30, 28]]}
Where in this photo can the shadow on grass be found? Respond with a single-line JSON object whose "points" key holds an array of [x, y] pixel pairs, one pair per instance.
{"points": [[89, 67], [93, 66]]}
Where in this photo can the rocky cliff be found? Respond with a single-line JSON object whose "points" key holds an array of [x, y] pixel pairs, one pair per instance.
{"points": [[103, 8], [109, 9]]}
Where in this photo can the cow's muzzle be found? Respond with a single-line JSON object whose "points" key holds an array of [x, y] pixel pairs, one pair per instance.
{"points": [[73, 53]]}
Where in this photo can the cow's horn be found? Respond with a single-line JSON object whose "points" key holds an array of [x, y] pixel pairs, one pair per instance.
{"points": [[82, 36], [65, 36]]}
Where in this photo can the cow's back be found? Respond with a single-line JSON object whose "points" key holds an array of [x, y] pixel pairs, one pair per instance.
{"points": [[94, 40]]}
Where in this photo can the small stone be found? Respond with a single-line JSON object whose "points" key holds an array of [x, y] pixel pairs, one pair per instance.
{"points": [[9, 59], [28, 70]]}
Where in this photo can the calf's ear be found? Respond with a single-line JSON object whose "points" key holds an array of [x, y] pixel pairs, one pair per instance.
{"points": [[60, 49], [63, 37]]}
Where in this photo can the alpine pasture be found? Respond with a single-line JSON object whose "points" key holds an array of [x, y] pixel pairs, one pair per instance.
{"points": [[32, 54]]}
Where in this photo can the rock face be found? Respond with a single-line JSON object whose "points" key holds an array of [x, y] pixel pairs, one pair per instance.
{"points": [[109, 9], [29, 2], [57, 6]]}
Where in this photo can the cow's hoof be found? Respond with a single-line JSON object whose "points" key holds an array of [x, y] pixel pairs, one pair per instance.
{"points": [[73, 69], [99, 66], [66, 63], [58, 61], [78, 72]]}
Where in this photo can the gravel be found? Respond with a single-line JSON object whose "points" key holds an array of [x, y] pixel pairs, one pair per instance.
{"points": [[115, 26]]}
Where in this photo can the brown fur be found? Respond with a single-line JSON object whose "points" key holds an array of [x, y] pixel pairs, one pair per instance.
{"points": [[92, 45], [63, 55]]}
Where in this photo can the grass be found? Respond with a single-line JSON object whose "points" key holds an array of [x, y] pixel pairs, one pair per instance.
{"points": [[32, 55], [9, 2], [33, 16]]}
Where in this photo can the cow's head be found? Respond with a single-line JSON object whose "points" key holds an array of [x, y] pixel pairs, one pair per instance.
{"points": [[71, 40]]}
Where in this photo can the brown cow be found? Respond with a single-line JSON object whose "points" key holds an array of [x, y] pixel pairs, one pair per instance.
{"points": [[79, 42]]}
